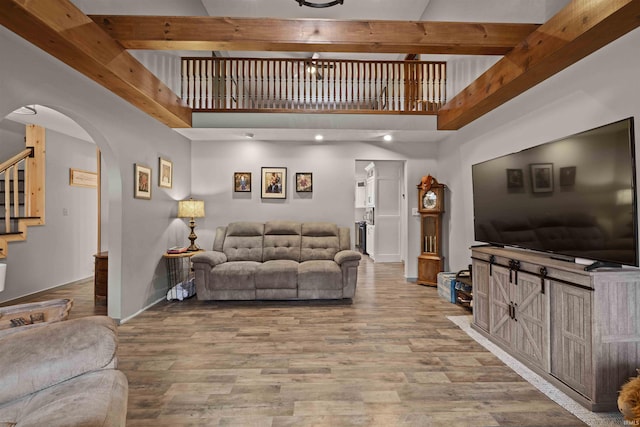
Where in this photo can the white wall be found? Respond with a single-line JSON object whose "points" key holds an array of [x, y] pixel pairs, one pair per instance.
{"points": [[139, 230], [599, 89]]}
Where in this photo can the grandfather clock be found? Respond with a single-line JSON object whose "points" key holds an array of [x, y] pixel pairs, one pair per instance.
{"points": [[431, 207]]}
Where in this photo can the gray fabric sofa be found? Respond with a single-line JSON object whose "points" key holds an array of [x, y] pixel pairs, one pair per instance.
{"points": [[278, 260], [62, 374]]}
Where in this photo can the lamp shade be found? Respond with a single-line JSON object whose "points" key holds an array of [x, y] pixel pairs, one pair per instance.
{"points": [[191, 208]]}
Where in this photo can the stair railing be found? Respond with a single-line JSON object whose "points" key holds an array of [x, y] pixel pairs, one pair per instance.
{"points": [[9, 172]]}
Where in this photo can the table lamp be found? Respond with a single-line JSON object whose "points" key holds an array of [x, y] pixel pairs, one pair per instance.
{"points": [[191, 209]]}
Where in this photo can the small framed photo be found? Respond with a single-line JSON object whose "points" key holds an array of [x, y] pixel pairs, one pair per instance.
{"points": [[515, 178], [304, 182], [274, 183], [165, 177], [541, 177], [142, 182], [567, 176], [242, 182]]}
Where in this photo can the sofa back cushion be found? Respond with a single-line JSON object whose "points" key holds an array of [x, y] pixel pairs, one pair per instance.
{"points": [[320, 241], [34, 359], [345, 238], [243, 241], [218, 242], [282, 240]]}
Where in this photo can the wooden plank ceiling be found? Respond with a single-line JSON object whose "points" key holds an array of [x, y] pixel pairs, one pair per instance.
{"points": [[96, 46]]}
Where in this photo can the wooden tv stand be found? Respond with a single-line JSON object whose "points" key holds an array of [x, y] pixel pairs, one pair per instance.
{"points": [[578, 329]]}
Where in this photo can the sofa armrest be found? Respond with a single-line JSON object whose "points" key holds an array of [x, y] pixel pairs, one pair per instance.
{"points": [[212, 258], [34, 359], [348, 255]]}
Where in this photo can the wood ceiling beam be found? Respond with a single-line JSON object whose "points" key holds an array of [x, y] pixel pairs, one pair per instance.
{"points": [[312, 35], [575, 32], [61, 29]]}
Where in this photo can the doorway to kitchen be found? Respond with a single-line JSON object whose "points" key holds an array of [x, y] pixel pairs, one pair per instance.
{"points": [[379, 209]]}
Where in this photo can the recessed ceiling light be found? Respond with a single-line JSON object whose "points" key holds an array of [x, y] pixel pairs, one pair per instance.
{"points": [[319, 137], [388, 138], [249, 135]]}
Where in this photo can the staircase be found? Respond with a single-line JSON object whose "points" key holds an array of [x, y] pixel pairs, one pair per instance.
{"points": [[22, 185]]}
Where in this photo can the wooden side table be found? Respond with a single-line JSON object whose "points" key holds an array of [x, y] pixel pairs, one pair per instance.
{"points": [[100, 278], [178, 267]]}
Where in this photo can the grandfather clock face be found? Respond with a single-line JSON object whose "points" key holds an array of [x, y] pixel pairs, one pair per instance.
{"points": [[430, 200]]}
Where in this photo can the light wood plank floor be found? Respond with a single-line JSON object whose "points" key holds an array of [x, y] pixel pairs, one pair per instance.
{"points": [[389, 359]]}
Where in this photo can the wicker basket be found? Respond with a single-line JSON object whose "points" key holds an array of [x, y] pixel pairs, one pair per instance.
{"points": [[50, 311]]}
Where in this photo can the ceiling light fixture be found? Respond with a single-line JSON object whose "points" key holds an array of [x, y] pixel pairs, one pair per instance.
{"points": [[388, 138], [27, 110], [319, 5], [249, 135], [319, 137]]}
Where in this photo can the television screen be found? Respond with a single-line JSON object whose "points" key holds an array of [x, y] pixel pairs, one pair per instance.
{"points": [[574, 197]]}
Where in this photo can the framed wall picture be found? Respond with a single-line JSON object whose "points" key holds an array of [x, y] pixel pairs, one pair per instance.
{"points": [[304, 182], [165, 177], [515, 178], [541, 177], [242, 182], [142, 182], [274, 183], [567, 176]]}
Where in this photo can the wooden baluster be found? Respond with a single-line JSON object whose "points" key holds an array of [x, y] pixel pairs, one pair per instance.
{"points": [[208, 85], [374, 91], [254, 92], [203, 84], [298, 77], [286, 84], [335, 90], [183, 72], [370, 81], [190, 83], [7, 199], [216, 90], [320, 76], [393, 104], [26, 186], [16, 192], [280, 73], [443, 87]]}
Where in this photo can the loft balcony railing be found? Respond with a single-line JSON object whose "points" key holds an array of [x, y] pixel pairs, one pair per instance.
{"points": [[305, 85]]}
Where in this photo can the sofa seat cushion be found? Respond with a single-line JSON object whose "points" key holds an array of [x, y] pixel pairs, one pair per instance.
{"points": [[235, 275], [319, 274], [97, 398], [277, 274]]}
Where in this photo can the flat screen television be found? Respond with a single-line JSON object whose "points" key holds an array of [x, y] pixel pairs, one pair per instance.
{"points": [[575, 197]]}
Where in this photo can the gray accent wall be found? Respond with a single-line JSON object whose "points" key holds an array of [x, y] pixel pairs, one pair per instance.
{"points": [[334, 175], [139, 231], [597, 90]]}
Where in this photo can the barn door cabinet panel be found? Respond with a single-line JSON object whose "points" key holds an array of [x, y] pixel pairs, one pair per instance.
{"points": [[518, 314], [480, 272], [580, 330]]}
